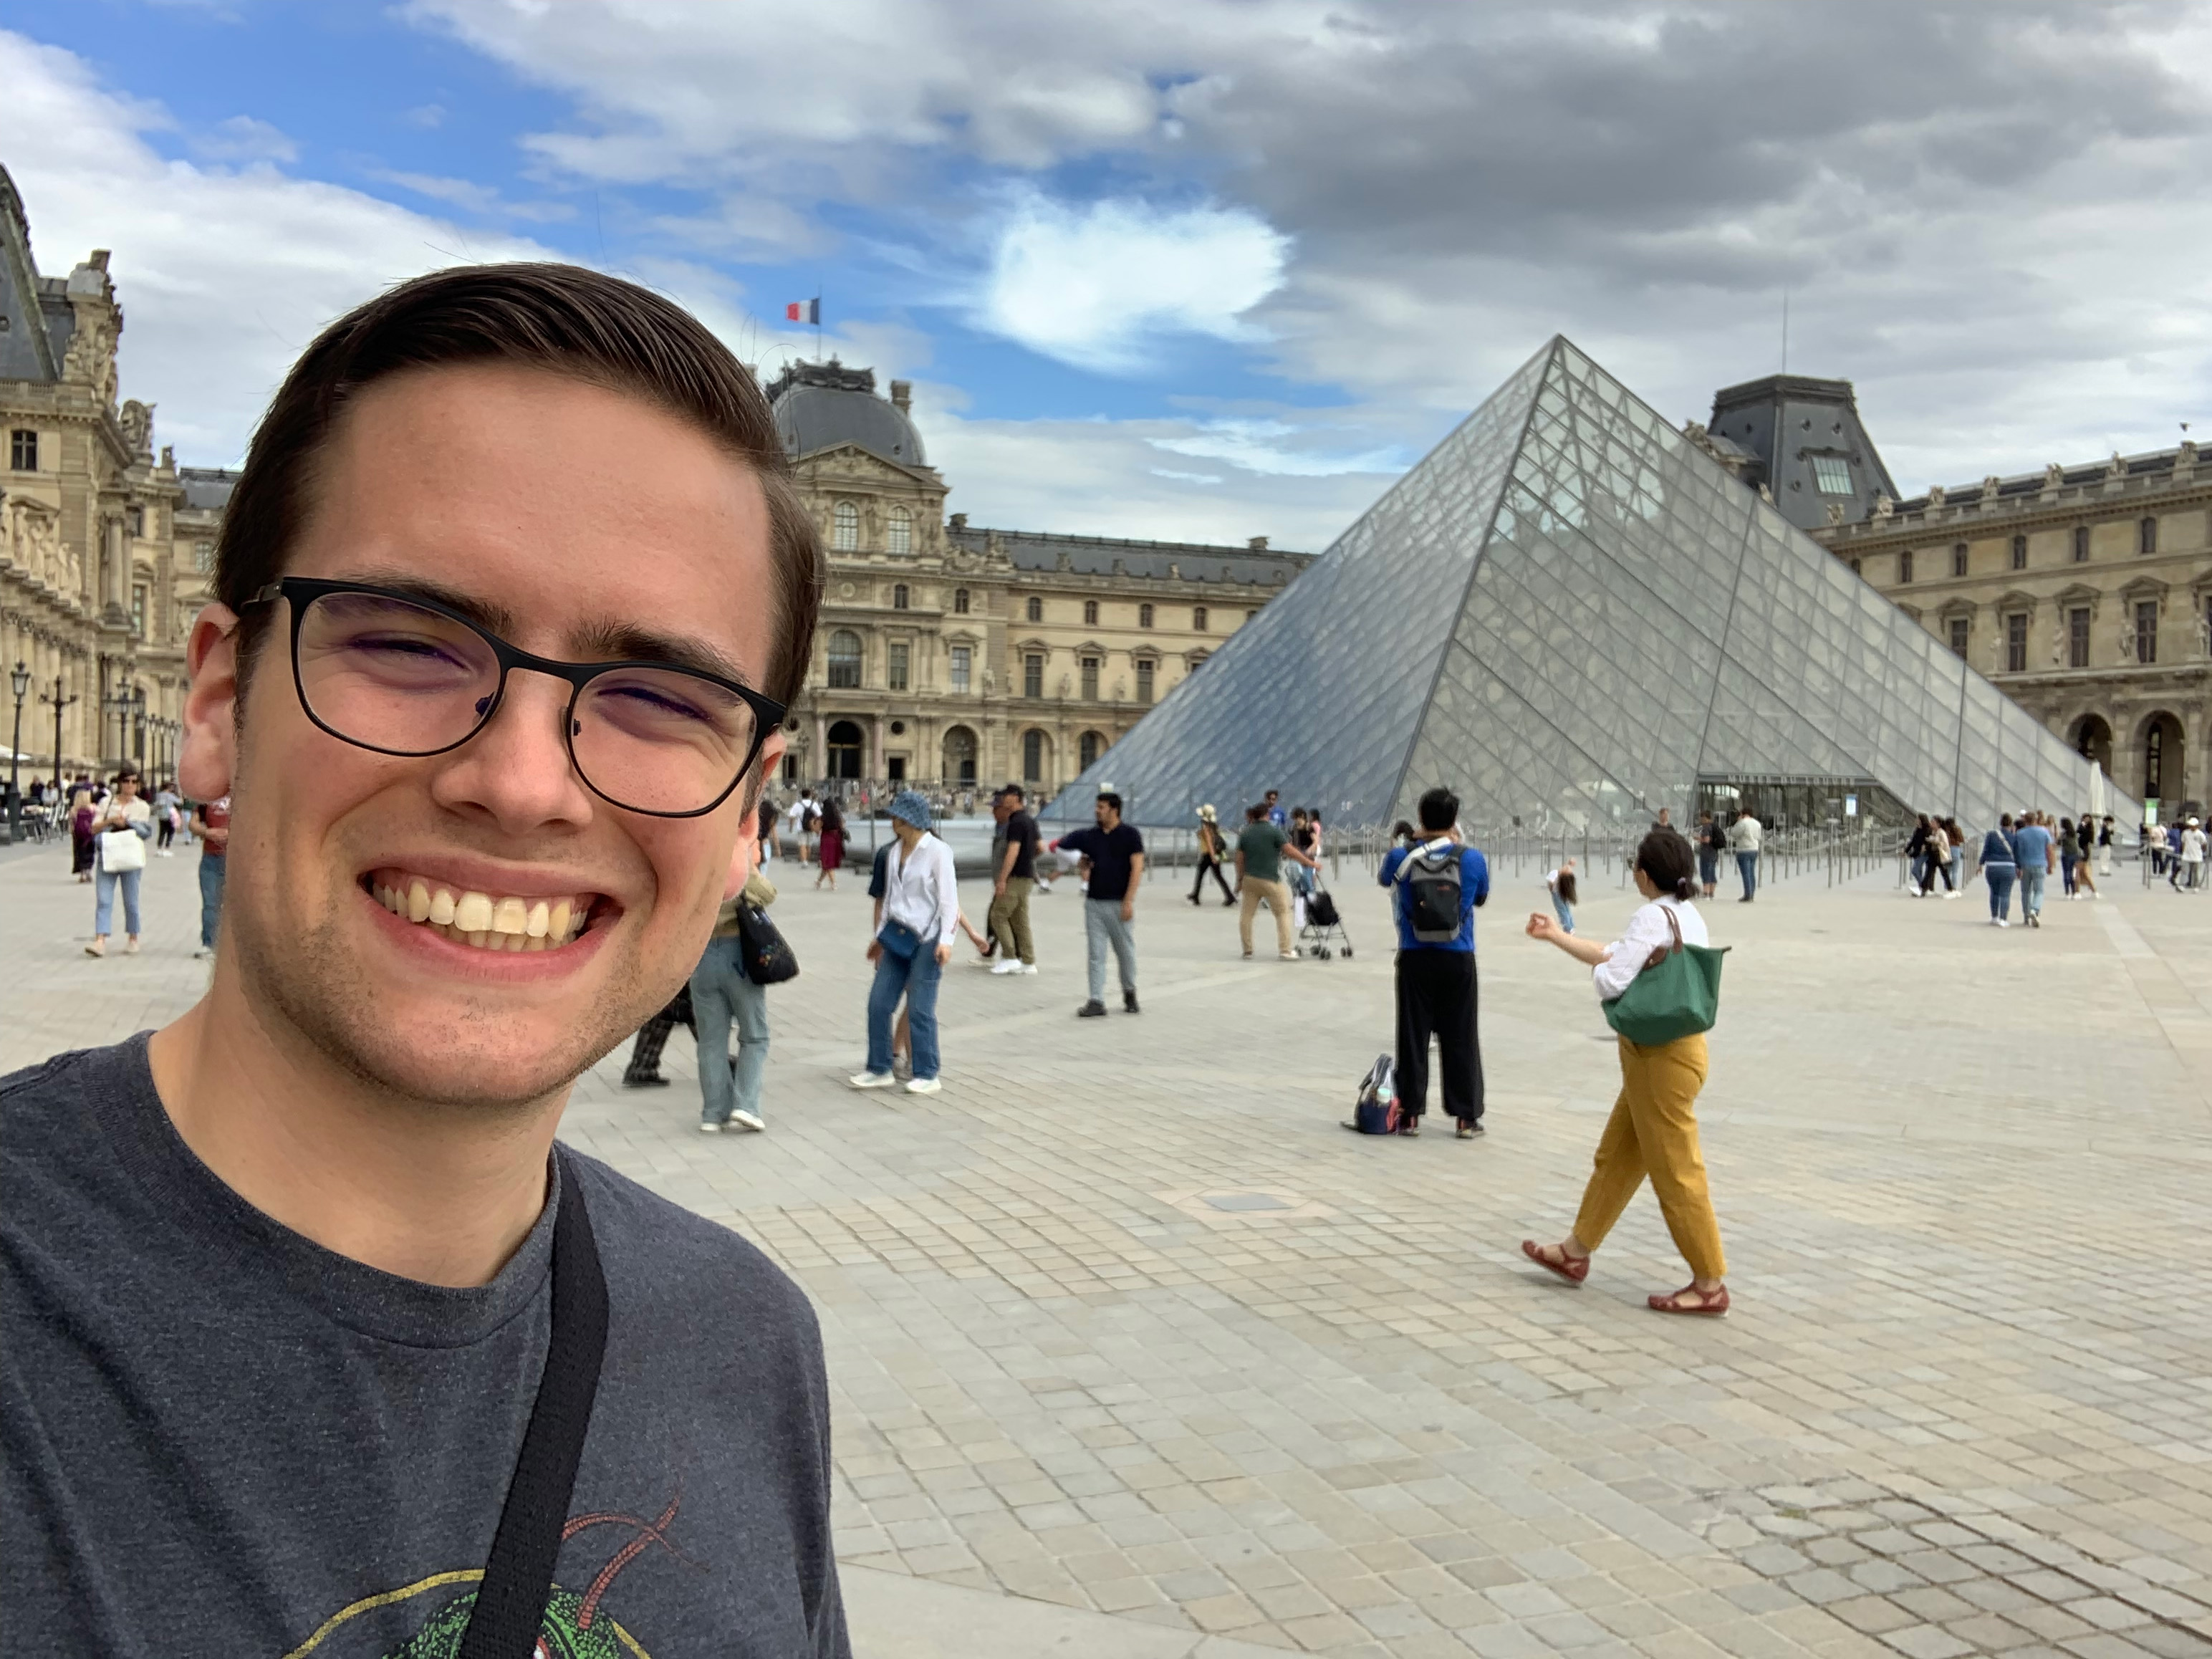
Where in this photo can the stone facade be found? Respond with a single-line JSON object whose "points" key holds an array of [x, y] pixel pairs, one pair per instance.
{"points": [[2084, 592], [100, 567], [953, 656]]}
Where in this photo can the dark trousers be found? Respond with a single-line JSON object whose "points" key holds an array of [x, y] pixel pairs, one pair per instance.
{"points": [[1211, 866], [1436, 998], [653, 1037]]}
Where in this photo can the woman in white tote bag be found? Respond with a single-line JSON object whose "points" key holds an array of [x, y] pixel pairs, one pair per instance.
{"points": [[120, 836]]}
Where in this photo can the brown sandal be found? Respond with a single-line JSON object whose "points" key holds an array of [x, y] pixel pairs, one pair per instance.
{"points": [[1572, 1268], [1710, 1305]]}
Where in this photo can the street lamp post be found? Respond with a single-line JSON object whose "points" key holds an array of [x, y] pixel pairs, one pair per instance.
{"points": [[59, 703], [19, 682], [138, 724]]}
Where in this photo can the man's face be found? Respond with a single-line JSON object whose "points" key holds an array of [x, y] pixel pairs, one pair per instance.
{"points": [[1106, 815], [1002, 807], [574, 517]]}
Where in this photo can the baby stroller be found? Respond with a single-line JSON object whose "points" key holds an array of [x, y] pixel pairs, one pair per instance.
{"points": [[1324, 927]]}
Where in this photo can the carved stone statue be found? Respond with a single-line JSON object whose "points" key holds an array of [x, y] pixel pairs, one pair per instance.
{"points": [[138, 423], [1884, 507], [2117, 467], [2053, 477], [1835, 512], [1935, 496], [1991, 485]]}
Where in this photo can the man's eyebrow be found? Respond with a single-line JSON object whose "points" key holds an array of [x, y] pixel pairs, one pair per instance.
{"points": [[493, 618], [613, 641]]}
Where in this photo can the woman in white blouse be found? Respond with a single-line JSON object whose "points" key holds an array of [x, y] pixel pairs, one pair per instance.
{"points": [[1654, 1126]]}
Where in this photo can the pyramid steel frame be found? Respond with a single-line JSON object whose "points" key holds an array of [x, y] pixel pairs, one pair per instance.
{"points": [[1572, 617]]}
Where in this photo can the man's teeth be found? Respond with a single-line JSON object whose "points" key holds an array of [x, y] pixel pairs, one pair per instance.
{"points": [[479, 919]]}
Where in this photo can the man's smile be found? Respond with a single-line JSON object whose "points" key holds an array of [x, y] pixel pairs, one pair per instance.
{"points": [[534, 920]]}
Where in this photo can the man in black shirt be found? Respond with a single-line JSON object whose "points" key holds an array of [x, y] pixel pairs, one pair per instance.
{"points": [[1011, 882], [280, 1282], [1113, 855]]}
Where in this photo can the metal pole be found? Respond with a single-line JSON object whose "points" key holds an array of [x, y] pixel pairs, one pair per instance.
{"points": [[20, 682]]}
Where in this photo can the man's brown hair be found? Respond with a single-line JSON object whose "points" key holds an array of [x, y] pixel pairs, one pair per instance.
{"points": [[562, 319]]}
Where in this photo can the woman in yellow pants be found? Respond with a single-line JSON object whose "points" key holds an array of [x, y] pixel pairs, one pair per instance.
{"points": [[1654, 1127]]}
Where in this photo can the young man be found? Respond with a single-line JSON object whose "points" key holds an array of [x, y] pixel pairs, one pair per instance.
{"points": [[511, 594], [913, 942], [1276, 816], [1436, 991], [1261, 847], [1113, 863], [1012, 876], [2036, 847], [1713, 841], [806, 820], [1743, 838]]}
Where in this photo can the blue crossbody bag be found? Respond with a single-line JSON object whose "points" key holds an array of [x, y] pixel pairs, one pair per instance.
{"points": [[901, 940]]}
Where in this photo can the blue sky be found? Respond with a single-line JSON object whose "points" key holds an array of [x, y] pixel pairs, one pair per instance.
{"points": [[1201, 269]]}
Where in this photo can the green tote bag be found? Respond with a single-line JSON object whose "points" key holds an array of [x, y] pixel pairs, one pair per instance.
{"points": [[1678, 994]]}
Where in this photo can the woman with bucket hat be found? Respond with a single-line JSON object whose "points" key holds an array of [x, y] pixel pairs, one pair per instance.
{"points": [[1211, 846], [921, 914]]}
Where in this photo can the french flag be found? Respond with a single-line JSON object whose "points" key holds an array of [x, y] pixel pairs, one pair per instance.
{"points": [[804, 311]]}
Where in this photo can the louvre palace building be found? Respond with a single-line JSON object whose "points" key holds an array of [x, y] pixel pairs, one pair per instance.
{"points": [[105, 548], [951, 655]]}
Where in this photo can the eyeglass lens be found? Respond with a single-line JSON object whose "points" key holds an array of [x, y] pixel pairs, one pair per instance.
{"points": [[393, 676]]}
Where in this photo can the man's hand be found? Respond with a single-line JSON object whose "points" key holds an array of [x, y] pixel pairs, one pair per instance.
{"points": [[875, 949], [999, 888], [944, 955], [1128, 908], [1543, 926]]}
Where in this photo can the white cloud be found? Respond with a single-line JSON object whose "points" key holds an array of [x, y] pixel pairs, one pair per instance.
{"points": [[1097, 283], [473, 197], [1250, 444], [224, 274], [243, 138], [1189, 477]]}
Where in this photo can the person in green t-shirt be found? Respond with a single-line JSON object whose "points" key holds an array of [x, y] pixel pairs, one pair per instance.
{"points": [[1261, 847]]}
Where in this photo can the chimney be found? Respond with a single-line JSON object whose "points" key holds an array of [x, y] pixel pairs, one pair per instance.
{"points": [[902, 395], [1258, 543], [959, 520]]}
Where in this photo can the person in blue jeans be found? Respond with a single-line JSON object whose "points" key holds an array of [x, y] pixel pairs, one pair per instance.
{"points": [[2032, 845], [723, 996], [921, 912], [1999, 865]]}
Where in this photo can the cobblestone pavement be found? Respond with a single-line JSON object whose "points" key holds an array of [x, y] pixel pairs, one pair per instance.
{"points": [[1964, 1405]]}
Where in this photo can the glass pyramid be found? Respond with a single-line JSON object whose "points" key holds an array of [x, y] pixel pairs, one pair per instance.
{"points": [[1571, 616]]}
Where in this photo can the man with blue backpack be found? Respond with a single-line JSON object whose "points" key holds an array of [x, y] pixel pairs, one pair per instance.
{"points": [[1437, 884]]}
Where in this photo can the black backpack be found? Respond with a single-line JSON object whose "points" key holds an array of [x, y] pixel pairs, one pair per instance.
{"points": [[1431, 881]]}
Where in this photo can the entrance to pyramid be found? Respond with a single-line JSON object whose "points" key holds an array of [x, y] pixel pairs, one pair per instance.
{"points": [[1782, 802]]}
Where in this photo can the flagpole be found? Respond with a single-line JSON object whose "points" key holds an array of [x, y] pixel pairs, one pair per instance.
{"points": [[818, 325]]}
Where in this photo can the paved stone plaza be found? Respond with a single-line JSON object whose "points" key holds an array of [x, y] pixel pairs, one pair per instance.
{"points": [[1964, 1405]]}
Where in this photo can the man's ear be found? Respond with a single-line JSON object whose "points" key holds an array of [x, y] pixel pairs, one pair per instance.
{"points": [[744, 857], [207, 763]]}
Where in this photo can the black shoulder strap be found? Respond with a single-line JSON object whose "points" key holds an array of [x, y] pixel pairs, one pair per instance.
{"points": [[510, 1604]]}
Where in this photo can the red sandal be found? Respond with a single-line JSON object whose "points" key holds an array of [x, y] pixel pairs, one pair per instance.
{"points": [[1711, 1305], [1572, 1268]]}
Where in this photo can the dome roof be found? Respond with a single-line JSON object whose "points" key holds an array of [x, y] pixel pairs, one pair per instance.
{"points": [[819, 405]]}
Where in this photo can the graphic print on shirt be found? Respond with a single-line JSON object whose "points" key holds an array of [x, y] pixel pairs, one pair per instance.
{"points": [[577, 1625]]}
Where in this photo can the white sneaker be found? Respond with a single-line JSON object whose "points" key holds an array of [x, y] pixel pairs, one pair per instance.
{"points": [[1007, 968], [923, 1085], [709, 1127], [750, 1121], [2002, 922], [1289, 956], [872, 1079], [1029, 966]]}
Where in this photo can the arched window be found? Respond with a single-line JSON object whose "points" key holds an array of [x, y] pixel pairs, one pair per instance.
{"points": [[1032, 756], [2080, 544], [898, 596], [846, 746], [1094, 745], [960, 756], [1958, 560], [1091, 613], [959, 601], [2147, 535], [1036, 612], [2020, 552], [1198, 619], [1144, 616], [898, 536], [845, 527], [844, 659]]}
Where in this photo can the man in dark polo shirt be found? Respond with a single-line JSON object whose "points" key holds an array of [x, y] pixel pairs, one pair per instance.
{"points": [[1012, 876], [312, 1333], [1113, 862]]}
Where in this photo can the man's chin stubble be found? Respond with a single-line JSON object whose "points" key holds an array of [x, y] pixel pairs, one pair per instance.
{"points": [[310, 991]]}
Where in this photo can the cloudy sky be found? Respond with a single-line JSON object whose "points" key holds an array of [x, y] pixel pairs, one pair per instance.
{"points": [[1191, 269]]}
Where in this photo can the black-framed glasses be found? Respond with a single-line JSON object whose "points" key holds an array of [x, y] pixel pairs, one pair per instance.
{"points": [[399, 674]]}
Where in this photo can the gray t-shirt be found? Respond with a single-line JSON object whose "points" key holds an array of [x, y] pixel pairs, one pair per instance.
{"points": [[217, 1436]]}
